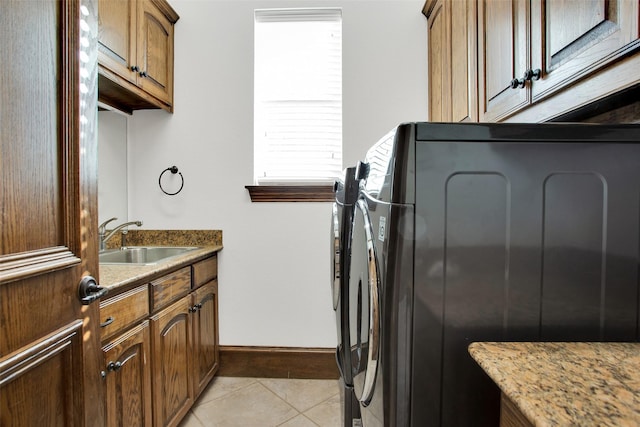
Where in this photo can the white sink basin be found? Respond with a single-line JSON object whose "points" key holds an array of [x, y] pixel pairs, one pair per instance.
{"points": [[142, 255]]}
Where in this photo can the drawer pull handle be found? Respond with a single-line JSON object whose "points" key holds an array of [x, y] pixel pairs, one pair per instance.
{"points": [[107, 322]]}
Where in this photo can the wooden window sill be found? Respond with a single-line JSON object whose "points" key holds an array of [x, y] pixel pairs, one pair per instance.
{"points": [[291, 193]]}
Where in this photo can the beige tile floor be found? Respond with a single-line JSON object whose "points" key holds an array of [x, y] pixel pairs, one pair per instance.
{"points": [[264, 402]]}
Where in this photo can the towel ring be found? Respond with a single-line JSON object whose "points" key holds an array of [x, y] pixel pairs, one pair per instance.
{"points": [[173, 170]]}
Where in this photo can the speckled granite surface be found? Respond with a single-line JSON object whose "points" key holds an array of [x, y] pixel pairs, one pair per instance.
{"points": [[567, 384], [137, 237], [114, 276]]}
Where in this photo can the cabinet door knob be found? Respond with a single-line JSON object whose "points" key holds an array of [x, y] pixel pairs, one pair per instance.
{"points": [[135, 68], [517, 83], [533, 74], [143, 74], [114, 366]]}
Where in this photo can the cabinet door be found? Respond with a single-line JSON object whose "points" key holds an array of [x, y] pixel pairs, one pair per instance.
{"points": [[571, 39], [171, 339], [439, 62], [117, 36], [205, 335], [464, 80], [503, 43], [128, 379], [155, 52]]}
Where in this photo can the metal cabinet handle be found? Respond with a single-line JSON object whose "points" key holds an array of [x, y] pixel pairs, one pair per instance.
{"points": [[135, 68], [529, 75], [107, 322], [143, 74], [533, 74], [89, 291], [114, 366], [517, 83], [195, 308]]}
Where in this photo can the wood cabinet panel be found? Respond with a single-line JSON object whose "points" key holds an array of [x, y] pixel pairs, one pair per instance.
{"points": [[117, 42], [205, 271], [128, 378], [171, 336], [122, 311], [452, 60], [439, 65], [155, 52], [503, 55], [205, 336], [571, 40], [170, 287], [510, 414], [464, 81]]}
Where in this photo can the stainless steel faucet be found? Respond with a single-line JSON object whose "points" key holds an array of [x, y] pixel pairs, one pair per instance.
{"points": [[102, 231]]}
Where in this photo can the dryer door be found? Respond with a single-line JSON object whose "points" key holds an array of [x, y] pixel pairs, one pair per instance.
{"points": [[364, 306]]}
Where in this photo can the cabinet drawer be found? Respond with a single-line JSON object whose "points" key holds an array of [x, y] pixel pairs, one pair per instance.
{"points": [[122, 311], [170, 287], [205, 271]]}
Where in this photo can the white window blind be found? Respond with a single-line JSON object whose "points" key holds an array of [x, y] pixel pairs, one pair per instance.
{"points": [[297, 96]]}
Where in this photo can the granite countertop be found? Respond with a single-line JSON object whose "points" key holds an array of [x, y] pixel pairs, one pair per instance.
{"points": [[117, 276], [567, 384]]}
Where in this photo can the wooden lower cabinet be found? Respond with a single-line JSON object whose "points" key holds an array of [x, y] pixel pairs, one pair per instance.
{"points": [[171, 333], [206, 353], [160, 346], [128, 378], [510, 415]]}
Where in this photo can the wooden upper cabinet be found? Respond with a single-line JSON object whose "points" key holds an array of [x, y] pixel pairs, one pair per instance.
{"points": [[452, 60], [117, 38], [572, 39], [439, 66], [503, 46], [531, 50], [135, 54], [155, 51]]}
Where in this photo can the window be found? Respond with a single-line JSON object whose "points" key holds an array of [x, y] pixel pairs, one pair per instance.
{"points": [[297, 97]]}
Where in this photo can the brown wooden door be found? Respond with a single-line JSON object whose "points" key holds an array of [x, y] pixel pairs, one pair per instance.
{"points": [[205, 335], [155, 51], [117, 37], [171, 336], [503, 55], [572, 39], [49, 341], [128, 379]]}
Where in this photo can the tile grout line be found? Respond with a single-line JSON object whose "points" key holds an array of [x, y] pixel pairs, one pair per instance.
{"points": [[199, 402]]}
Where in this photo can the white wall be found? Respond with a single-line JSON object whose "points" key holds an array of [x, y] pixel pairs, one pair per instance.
{"points": [[274, 270], [112, 167]]}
